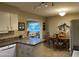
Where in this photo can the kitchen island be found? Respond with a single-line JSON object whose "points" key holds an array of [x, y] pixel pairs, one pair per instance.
{"points": [[19, 47]]}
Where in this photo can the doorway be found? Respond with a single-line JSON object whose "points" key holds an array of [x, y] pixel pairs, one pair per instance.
{"points": [[33, 28]]}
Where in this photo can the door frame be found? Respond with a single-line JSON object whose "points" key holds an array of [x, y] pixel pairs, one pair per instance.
{"points": [[41, 31]]}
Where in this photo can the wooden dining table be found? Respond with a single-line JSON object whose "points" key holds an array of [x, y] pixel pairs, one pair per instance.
{"points": [[58, 42]]}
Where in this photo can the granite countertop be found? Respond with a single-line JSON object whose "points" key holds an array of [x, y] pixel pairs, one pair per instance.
{"points": [[16, 40], [6, 37]]}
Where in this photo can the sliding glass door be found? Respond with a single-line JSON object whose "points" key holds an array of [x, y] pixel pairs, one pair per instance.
{"points": [[34, 31]]}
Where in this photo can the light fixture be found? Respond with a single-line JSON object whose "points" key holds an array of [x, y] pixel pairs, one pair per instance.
{"points": [[62, 13], [44, 5]]}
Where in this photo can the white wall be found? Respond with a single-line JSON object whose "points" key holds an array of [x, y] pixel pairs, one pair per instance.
{"points": [[53, 22]]}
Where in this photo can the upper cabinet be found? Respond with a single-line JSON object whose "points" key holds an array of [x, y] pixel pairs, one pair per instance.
{"points": [[4, 22], [8, 22], [13, 21]]}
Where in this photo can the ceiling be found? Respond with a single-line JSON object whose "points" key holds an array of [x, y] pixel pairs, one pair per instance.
{"points": [[69, 7]]}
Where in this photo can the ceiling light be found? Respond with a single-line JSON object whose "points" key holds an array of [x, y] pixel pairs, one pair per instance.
{"points": [[43, 5], [62, 13], [46, 5]]}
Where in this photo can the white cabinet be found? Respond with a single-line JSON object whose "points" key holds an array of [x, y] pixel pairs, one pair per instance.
{"points": [[8, 51], [4, 21], [8, 22], [13, 21]]}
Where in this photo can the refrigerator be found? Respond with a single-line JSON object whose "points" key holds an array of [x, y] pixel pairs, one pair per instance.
{"points": [[74, 42]]}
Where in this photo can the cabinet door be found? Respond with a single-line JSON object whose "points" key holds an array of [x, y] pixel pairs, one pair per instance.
{"points": [[4, 21], [24, 50], [20, 50], [28, 50], [14, 21]]}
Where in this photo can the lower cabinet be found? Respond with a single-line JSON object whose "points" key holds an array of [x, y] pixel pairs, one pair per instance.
{"points": [[8, 51], [24, 50]]}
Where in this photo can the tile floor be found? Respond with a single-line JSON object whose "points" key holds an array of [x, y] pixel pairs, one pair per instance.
{"points": [[43, 51]]}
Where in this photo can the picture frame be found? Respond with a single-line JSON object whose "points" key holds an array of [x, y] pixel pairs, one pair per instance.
{"points": [[21, 26]]}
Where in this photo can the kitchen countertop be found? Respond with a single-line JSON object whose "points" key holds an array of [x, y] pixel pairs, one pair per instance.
{"points": [[6, 37], [17, 40]]}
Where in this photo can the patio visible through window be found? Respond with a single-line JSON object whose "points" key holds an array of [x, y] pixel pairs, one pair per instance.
{"points": [[34, 32], [34, 27]]}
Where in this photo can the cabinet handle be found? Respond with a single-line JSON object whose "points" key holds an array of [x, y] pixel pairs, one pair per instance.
{"points": [[7, 48]]}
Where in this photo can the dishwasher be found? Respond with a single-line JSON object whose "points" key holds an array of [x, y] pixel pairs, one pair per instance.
{"points": [[8, 51]]}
